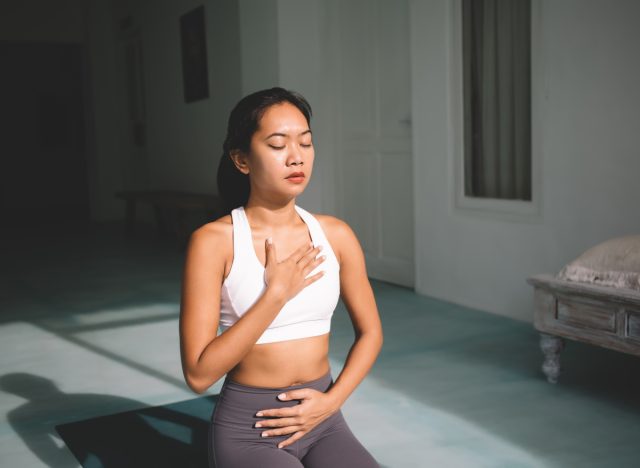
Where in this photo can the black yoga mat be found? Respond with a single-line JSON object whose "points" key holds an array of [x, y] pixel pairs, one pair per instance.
{"points": [[173, 435]]}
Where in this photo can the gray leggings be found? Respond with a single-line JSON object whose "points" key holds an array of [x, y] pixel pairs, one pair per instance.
{"points": [[234, 442]]}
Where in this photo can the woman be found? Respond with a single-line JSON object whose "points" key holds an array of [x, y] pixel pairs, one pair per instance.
{"points": [[258, 274]]}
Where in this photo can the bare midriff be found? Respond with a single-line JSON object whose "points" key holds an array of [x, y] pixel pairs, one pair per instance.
{"points": [[283, 363]]}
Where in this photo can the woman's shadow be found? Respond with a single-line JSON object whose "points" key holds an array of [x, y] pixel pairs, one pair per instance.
{"points": [[118, 440]]}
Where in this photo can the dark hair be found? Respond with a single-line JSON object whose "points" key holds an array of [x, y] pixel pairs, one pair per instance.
{"points": [[233, 185]]}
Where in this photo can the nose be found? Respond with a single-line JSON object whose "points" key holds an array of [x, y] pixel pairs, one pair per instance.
{"points": [[295, 157]]}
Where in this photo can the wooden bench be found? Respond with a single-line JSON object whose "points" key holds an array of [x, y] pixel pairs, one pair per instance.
{"points": [[180, 204]]}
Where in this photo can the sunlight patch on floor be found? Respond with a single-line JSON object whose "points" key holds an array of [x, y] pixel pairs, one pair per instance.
{"points": [[402, 432]]}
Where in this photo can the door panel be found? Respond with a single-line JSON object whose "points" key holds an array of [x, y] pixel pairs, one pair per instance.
{"points": [[375, 193]]}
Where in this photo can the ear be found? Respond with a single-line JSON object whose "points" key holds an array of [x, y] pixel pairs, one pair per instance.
{"points": [[240, 161]]}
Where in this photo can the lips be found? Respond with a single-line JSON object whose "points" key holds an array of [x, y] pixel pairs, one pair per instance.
{"points": [[295, 174]]}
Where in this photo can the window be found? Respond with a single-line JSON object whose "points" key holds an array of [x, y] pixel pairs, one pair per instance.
{"points": [[496, 74]]}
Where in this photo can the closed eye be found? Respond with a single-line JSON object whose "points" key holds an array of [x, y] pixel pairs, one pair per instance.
{"points": [[304, 145]]}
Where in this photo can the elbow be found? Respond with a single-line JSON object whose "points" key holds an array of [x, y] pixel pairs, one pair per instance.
{"points": [[374, 335], [379, 340], [198, 384], [378, 337], [195, 386]]}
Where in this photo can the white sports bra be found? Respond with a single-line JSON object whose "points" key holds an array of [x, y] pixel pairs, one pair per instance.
{"points": [[306, 314]]}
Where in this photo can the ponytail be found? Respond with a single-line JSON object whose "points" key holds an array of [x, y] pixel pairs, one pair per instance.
{"points": [[233, 185]]}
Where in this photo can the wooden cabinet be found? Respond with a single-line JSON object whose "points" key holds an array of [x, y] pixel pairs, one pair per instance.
{"points": [[594, 314]]}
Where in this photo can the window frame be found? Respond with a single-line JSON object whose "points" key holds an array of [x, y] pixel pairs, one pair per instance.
{"points": [[497, 208]]}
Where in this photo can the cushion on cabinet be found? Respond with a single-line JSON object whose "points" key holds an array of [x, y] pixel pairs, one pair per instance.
{"points": [[614, 263]]}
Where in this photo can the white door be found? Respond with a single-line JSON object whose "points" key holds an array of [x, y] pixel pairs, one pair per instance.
{"points": [[371, 68]]}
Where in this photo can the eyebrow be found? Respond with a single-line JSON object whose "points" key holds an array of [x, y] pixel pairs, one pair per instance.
{"points": [[285, 135]]}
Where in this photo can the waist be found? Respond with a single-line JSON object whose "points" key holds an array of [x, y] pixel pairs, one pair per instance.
{"points": [[283, 363], [321, 383]]}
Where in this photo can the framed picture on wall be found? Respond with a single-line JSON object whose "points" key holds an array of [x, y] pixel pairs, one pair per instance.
{"points": [[195, 76]]}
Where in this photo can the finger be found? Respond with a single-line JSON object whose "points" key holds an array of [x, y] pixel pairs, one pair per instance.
{"points": [[313, 264], [281, 431], [309, 256], [289, 411], [298, 435], [311, 279], [270, 251], [300, 252], [277, 422], [297, 394]]}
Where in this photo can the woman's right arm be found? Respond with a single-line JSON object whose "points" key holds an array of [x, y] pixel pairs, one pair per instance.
{"points": [[205, 356]]}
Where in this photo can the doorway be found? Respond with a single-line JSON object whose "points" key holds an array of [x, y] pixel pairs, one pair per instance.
{"points": [[43, 168]]}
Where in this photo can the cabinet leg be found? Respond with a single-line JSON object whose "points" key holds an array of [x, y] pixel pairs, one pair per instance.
{"points": [[551, 347]]}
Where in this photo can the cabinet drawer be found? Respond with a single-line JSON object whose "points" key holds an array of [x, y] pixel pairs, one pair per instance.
{"points": [[587, 315], [633, 325]]}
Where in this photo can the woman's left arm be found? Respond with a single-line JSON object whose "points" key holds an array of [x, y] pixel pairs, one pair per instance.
{"points": [[358, 297]]}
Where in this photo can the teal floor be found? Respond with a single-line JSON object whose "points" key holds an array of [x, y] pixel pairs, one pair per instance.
{"points": [[88, 327]]}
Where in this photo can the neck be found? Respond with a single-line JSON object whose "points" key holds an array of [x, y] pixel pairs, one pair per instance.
{"points": [[272, 217]]}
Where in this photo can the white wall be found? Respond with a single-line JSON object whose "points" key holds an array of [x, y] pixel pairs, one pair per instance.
{"points": [[585, 131], [184, 140], [304, 48], [258, 21]]}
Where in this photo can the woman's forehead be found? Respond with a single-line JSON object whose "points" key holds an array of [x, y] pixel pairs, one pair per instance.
{"points": [[283, 118]]}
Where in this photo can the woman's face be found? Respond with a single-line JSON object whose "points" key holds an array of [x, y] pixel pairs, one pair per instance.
{"points": [[281, 145]]}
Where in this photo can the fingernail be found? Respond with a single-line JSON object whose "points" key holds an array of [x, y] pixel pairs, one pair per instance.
{"points": [[280, 446], [269, 240], [258, 425], [282, 395], [264, 434], [259, 413]]}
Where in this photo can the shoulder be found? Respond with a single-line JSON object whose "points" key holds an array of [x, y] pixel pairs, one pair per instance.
{"points": [[212, 238], [214, 230], [335, 226], [339, 234]]}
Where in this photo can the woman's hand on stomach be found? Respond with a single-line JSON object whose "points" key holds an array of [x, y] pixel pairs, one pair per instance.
{"points": [[315, 407]]}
